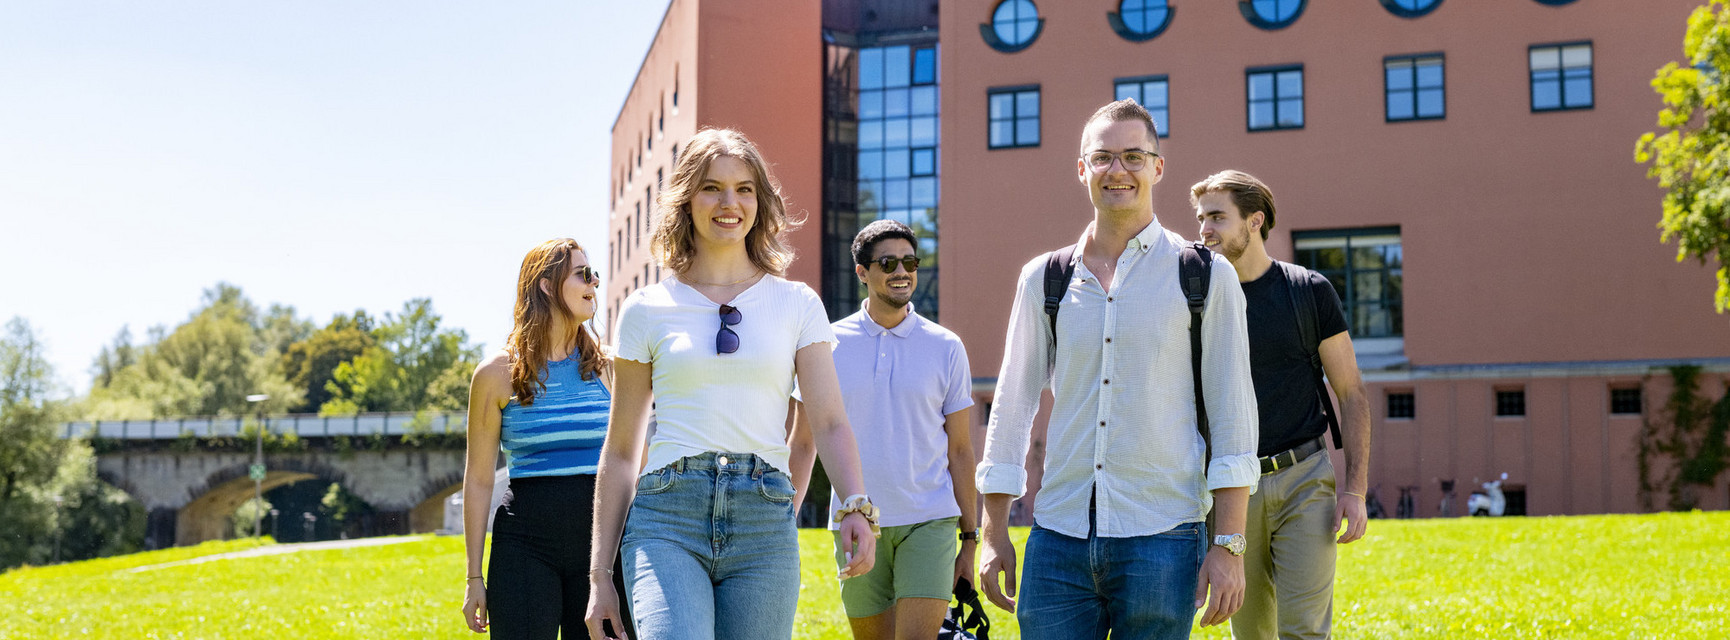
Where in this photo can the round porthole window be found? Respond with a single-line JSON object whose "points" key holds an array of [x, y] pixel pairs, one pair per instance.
{"points": [[1139, 20], [1015, 24], [1411, 8], [1271, 14]]}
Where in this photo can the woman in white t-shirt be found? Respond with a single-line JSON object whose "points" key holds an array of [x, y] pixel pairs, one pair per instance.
{"points": [[709, 547]]}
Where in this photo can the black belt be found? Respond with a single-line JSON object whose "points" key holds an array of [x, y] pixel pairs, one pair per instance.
{"points": [[1290, 457]]}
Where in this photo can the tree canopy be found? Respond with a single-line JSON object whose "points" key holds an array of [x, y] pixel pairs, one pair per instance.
{"points": [[1691, 159]]}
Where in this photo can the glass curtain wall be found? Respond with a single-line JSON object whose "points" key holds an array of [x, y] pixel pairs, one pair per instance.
{"points": [[880, 154]]}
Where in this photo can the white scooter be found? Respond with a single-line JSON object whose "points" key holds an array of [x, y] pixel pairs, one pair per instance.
{"points": [[1490, 501]]}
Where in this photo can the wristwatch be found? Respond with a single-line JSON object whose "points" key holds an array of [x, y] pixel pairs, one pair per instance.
{"points": [[1234, 543], [966, 536]]}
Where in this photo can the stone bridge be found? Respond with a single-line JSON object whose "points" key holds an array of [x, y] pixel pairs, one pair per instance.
{"points": [[191, 489]]}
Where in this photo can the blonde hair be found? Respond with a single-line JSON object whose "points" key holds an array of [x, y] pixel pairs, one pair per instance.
{"points": [[670, 239]]}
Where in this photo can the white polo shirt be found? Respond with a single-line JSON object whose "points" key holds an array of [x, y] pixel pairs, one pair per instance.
{"points": [[898, 386]]}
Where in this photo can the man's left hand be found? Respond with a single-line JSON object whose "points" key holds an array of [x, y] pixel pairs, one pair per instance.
{"points": [[1221, 585], [1350, 508], [964, 562]]}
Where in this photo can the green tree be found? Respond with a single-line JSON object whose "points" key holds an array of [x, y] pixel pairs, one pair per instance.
{"points": [[1691, 159], [311, 363], [250, 512], [206, 366], [113, 358], [30, 450], [408, 369]]}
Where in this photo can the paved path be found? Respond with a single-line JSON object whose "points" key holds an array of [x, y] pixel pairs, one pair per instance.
{"points": [[278, 549]]}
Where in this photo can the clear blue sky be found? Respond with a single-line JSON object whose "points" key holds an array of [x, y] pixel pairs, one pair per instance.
{"points": [[326, 155]]}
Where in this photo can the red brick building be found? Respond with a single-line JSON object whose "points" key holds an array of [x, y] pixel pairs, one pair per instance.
{"points": [[1461, 169]]}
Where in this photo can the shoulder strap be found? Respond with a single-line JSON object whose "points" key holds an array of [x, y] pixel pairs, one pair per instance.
{"points": [[1303, 302], [1059, 268], [1194, 266]]}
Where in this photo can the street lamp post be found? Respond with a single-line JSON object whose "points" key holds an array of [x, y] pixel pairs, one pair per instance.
{"points": [[257, 471], [59, 528]]}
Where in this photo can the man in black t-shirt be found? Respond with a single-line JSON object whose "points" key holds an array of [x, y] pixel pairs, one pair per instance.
{"points": [[1294, 321]]}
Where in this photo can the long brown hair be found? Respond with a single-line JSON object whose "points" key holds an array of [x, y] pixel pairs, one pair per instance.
{"points": [[529, 341], [766, 242]]}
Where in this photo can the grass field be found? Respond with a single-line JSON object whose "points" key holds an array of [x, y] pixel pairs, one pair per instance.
{"points": [[1650, 576]]}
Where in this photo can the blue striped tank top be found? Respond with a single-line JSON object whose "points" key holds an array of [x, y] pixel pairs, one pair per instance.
{"points": [[561, 433]]}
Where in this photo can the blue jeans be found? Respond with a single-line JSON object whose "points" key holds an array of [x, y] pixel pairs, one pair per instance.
{"points": [[710, 550], [1140, 588]]}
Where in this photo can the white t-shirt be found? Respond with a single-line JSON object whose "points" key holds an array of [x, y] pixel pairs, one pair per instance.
{"points": [[726, 403]]}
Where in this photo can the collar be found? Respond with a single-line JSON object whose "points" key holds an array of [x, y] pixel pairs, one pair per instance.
{"points": [[1149, 237], [900, 331]]}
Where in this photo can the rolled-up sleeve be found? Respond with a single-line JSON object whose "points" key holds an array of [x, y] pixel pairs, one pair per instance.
{"points": [[1025, 372], [1227, 388]]}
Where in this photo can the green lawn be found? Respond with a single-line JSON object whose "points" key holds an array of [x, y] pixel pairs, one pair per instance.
{"points": [[1652, 576]]}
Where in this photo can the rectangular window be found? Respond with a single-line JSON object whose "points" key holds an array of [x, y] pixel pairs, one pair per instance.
{"points": [[1625, 401], [1510, 403], [925, 66], [1014, 117], [1151, 92], [1276, 97], [1367, 270], [1561, 76], [1402, 405], [1414, 87]]}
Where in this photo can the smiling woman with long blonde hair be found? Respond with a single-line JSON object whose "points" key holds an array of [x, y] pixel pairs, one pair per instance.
{"points": [[544, 397], [710, 550]]}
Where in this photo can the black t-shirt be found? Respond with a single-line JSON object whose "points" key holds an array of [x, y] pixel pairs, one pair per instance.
{"points": [[1285, 389]]}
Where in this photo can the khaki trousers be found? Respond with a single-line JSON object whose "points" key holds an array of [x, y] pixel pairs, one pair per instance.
{"points": [[1289, 565]]}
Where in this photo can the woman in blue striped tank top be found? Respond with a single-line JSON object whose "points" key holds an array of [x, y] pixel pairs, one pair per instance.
{"points": [[544, 398]]}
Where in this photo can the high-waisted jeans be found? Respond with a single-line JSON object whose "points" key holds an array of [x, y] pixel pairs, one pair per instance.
{"points": [[710, 550]]}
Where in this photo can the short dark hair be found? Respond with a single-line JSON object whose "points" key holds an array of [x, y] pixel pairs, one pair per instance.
{"points": [[877, 232], [1248, 194], [1122, 110]]}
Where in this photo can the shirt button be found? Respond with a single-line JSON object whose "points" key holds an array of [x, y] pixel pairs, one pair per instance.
{"points": [[1101, 423], [1110, 298], [1099, 466], [1108, 340], [1108, 380]]}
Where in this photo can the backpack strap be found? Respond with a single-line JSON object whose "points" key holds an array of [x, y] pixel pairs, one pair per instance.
{"points": [[1059, 269], [1303, 301], [1194, 267]]}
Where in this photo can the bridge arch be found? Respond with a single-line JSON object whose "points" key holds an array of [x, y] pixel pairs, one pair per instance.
{"points": [[207, 515], [428, 515]]}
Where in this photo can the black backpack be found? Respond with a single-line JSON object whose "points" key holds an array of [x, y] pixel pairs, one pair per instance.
{"points": [[1195, 265]]}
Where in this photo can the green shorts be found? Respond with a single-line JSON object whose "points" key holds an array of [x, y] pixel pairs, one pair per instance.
{"points": [[913, 561]]}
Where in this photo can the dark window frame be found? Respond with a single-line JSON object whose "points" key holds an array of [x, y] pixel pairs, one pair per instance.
{"points": [[1348, 296], [1554, 3], [1409, 404], [1561, 78], [1164, 128], [988, 29], [1274, 70], [1507, 400], [1123, 30], [1639, 400], [1014, 119], [1414, 58], [1247, 8], [1394, 8]]}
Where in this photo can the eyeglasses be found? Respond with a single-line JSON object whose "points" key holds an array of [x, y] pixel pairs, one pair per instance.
{"points": [[887, 263], [589, 274], [1133, 159], [726, 341]]}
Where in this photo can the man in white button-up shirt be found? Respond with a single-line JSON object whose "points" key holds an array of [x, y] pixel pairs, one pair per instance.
{"points": [[1118, 544]]}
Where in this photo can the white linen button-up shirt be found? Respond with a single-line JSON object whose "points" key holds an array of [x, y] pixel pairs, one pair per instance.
{"points": [[1123, 427]]}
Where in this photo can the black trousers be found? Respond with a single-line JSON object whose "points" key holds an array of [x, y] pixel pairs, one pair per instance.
{"points": [[538, 579]]}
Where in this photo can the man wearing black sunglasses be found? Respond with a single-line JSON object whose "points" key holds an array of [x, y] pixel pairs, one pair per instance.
{"points": [[907, 387]]}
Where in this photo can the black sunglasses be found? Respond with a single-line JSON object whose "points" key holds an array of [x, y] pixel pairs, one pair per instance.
{"points": [[726, 341], [589, 274], [887, 263]]}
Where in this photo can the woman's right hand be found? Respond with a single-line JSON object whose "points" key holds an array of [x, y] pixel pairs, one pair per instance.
{"points": [[475, 606], [603, 607]]}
